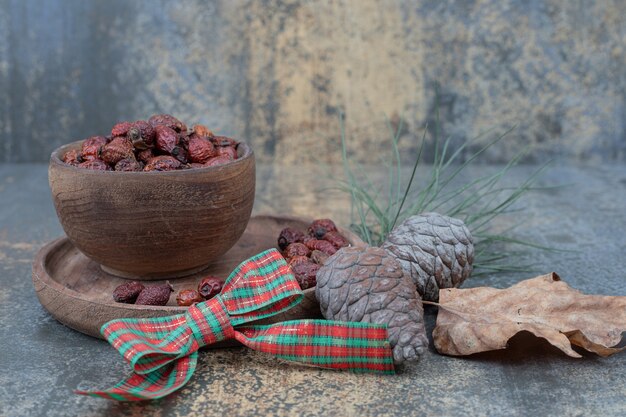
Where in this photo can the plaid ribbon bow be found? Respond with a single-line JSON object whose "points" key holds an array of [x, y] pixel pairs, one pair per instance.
{"points": [[163, 351]]}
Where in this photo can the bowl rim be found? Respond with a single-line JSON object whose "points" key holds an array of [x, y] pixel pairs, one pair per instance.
{"points": [[248, 153]]}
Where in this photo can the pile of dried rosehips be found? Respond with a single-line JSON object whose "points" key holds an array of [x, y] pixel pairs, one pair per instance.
{"points": [[306, 253], [134, 292], [163, 143]]}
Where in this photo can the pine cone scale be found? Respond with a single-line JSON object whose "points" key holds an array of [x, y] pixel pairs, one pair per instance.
{"points": [[437, 251]]}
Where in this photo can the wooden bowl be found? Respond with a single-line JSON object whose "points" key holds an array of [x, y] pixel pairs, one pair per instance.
{"points": [[150, 225]]}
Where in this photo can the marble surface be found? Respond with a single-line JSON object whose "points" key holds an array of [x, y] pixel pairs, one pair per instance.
{"points": [[43, 361]]}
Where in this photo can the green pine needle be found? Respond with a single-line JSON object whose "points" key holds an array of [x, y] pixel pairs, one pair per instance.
{"points": [[376, 210]]}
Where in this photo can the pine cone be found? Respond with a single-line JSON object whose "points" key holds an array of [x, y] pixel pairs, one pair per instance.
{"points": [[436, 251], [368, 285]]}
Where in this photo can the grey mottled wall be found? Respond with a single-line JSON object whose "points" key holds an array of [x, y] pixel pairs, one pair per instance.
{"points": [[278, 72]]}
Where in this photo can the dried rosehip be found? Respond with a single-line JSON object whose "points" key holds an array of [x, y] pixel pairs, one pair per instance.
{"points": [[305, 273], [129, 165], [202, 130], [188, 297], [319, 257], [218, 160], [183, 140], [298, 259], [227, 151], [138, 143], [142, 134], [168, 121], [121, 129], [119, 148], [127, 292], [209, 287], [91, 148], [321, 245], [224, 141], [180, 154], [319, 228], [336, 239], [200, 149], [72, 157], [296, 249], [95, 164], [145, 155], [155, 295], [166, 139], [162, 163], [288, 236]]}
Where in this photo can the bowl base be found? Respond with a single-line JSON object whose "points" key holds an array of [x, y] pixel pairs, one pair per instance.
{"points": [[155, 275]]}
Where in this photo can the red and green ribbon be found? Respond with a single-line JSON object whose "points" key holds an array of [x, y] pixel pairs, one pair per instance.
{"points": [[163, 351]]}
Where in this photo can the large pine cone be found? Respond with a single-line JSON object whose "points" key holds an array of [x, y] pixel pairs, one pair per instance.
{"points": [[368, 285], [437, 251]]}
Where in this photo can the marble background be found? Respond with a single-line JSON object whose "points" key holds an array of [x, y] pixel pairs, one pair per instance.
{"points": [[278, 73]]}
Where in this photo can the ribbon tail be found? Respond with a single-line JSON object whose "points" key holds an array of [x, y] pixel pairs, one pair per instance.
{"points": [[150, 386], [358, 347]]}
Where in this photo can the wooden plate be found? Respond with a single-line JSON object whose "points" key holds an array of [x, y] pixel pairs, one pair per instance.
{"points": [[78, 293]]}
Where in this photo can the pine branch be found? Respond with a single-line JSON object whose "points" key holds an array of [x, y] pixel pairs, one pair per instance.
{"points": [[479, 202]]}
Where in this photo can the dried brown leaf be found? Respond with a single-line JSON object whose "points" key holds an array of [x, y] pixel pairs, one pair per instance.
{"points": [[481, 319]]}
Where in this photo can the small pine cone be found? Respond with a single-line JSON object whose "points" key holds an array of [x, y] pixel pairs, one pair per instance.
{"points": [[436, 251], [368, 285]]}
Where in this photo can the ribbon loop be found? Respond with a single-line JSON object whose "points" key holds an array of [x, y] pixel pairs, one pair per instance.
{"points": [[163, 351], [260, 287]]}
